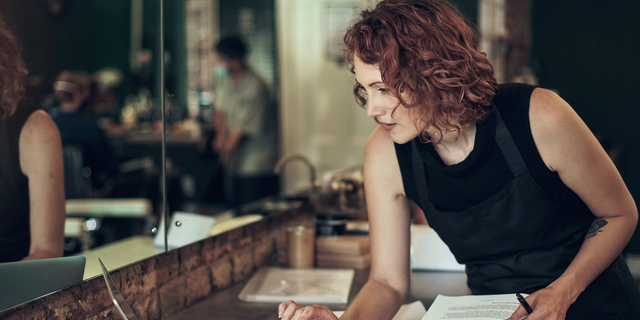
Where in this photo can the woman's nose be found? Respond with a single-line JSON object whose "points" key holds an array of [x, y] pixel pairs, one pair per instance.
{"points": [[374, 110]]}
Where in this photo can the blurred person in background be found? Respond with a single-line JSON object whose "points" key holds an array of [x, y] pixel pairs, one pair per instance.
{"points": [[245, 120], [71, 91]]}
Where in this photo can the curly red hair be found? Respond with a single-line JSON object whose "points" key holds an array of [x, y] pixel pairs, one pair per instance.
{"points": [[12, 72], [425, 50]]}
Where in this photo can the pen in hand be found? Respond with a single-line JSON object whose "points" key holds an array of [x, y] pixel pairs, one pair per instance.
{"points": [[524, 303]]}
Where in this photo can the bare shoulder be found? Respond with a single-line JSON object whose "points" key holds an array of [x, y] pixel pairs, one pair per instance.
{"points": [[39, 140], [381, 164], [38, 124], [379, 138], [380, 147], [547, 109], [557, 130]]}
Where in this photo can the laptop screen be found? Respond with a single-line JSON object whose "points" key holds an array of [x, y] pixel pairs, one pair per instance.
{"points": [[22, 281]]}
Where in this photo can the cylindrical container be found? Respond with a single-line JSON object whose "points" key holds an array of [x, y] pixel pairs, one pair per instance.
{"points": [[301, 247]]}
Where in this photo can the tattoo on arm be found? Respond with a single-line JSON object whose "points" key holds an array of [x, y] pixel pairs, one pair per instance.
{"points": [[595, 228]]}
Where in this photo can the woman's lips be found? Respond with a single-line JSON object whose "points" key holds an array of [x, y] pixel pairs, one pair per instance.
{"points": [[388, 126]]}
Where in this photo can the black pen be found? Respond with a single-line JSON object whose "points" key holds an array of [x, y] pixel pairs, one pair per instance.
{"points": [[524, 303]]}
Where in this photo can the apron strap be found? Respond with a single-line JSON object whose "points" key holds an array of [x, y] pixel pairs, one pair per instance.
{"points": [[419, 176], [509, 148]]}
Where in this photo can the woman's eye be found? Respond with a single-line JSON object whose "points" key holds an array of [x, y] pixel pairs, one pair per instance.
{"points": [[383, 90]]}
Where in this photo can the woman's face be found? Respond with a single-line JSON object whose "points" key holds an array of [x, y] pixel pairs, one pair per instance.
{"points": [[381, 103]]}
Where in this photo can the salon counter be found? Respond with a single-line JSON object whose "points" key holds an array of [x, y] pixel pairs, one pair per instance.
{"points": [[225, 304]]}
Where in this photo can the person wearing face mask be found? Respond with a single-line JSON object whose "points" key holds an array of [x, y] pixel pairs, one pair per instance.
{"points": [[32, 209], [245, 121], [508, 175]]}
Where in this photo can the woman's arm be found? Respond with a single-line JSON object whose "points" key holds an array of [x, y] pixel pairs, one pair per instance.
{"points": [[389, 222], [41, 162], [568, 147], [389, 225]]}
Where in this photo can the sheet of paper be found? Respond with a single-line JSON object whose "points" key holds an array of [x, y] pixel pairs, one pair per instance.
{"points": [[410, 311], [498, 306], [304, 286]]}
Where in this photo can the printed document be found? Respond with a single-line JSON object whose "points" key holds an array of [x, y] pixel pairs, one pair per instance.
{"points": [[410, 311], [497, 306]]}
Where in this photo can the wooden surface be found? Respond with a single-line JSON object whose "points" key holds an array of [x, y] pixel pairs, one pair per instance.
{"points": [[349, 251], [347, 244]]}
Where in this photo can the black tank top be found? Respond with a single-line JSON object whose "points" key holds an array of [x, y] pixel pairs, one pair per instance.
{"points": [[15, 237], [455, 187]]}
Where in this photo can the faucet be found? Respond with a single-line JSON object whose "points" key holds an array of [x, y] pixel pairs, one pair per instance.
{"points": [[312, 171]]}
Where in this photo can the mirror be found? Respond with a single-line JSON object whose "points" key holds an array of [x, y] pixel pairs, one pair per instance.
{"points": [[114, 179], [93, 66], [197, 182]]}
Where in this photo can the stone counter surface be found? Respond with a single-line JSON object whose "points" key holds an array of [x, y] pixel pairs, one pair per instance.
{"points": [[163, 285]]}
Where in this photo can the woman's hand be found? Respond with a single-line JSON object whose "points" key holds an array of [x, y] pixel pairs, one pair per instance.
{"points": [[549, 304], [292, 311]]}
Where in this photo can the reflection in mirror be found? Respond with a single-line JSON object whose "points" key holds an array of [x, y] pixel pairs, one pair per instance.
{"points": [[95, 75], [99, 79], [199, 179]]}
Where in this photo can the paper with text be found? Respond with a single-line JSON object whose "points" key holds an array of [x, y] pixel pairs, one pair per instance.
{"points": [[497, 306], [408, 311]]}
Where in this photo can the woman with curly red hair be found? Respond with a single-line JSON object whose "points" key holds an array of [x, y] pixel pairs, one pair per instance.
{"points": [[32, 211], [509, 176]]}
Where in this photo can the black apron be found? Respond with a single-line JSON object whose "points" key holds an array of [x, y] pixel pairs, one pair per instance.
{"points": [[15, 236], [520, 240]]}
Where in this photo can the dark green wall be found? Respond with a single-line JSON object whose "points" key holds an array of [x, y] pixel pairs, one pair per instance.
{"points": [[469, 8], [588, 52], [88, 35], [174, 45], [92, 34], [27, 18]]}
